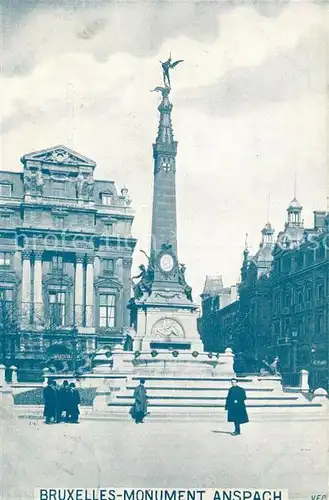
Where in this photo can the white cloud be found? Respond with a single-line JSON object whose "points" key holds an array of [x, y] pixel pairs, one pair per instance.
{"points": [[95, 98]]}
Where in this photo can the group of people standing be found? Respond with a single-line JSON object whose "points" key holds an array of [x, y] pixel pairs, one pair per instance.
{"points": [[61, 403]]}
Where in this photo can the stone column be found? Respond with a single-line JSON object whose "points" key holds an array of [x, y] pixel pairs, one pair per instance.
{"points": [[26, 288], [90, 291], [78, 295], [119, 305], [37, 292], [126, 294]]}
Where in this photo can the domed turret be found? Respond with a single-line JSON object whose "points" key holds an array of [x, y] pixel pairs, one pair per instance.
{"points": [[294, 212]]}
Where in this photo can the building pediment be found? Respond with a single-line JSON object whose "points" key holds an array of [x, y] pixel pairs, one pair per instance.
{"points": [[57, 279], [10, 278], [107, 282], [57, 156]]}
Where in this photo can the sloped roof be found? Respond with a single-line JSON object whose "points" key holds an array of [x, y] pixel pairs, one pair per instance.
{"points": [[295, 205], [213, 285]]}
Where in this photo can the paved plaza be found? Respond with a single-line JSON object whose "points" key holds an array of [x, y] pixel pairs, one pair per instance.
{"points": [[115, 454]]}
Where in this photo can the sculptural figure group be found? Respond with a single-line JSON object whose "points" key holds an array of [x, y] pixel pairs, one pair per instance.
{"points": [[84, 187], [143, 287]]}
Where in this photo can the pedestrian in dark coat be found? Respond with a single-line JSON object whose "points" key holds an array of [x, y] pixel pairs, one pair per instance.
{"points": [[50, 401], [58, 404], [74, 403], [64, 394], [139, 409], [235, 406]]}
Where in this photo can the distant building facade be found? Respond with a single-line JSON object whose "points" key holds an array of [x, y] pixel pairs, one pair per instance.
{"points": [[300, 296], [219, 314], [283, 305], [252, 334], [65, 261]]}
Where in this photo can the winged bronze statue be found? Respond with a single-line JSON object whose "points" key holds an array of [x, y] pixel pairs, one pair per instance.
{"points": [[166, 66]]}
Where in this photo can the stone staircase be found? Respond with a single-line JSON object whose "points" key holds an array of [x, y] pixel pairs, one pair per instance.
{"points": [[204, 398], [190, 399]]}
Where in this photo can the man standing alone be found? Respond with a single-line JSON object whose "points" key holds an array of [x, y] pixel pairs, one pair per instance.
{"points": [[140, 406], [235, 406]]}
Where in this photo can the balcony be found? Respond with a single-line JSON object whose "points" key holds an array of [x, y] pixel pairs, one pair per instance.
{"points": [[283, 341]]}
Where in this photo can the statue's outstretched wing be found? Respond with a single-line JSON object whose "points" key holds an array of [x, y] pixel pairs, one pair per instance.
{"points": [[157, 89], [176, 62]]}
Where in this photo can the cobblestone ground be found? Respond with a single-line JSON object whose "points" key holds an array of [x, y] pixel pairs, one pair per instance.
{"points": [[118, 454]]}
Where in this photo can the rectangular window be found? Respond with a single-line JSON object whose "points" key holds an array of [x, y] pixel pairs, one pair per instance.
{"points": [[6, 307], [107, 310], [5, 259], [108, 266], [57, 308], [59, 222], [4, 219], [5, 190], [309, 294], [108, 229], [59, 189], [57, 263], [106, 199], [287, 299], [286, 264], [320, 291], [310, 257], [299, 296]]}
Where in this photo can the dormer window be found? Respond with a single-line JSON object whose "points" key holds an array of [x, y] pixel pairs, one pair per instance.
{"points": [[106, 199], [59, 221], [5, 189]]}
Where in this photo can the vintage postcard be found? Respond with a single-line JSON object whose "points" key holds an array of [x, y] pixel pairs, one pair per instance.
{"points": [[164, 250]]}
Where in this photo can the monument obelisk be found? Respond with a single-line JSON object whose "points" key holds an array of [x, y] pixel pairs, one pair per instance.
{"points": [[163, 313]]}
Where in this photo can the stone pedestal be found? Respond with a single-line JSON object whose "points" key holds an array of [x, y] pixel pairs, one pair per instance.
{"points": [[167, 320], [2, 375], [224, 366], [303, 381], [45, 375], [6, 404], [320, 395], [101, 399], [13, 374]]}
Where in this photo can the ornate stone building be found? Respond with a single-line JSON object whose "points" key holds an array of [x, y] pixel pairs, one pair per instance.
{"points": [[252, 334], [300, 296], [65, 261]]}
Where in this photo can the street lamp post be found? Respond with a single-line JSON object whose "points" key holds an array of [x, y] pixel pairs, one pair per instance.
{"points": [[294, 341], [75, 341]]}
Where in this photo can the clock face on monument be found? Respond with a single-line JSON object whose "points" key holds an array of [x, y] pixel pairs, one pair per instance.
{"points": [[166, 262]]}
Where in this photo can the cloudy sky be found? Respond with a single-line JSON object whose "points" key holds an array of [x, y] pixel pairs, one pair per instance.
{"points": [[249, 113]]}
